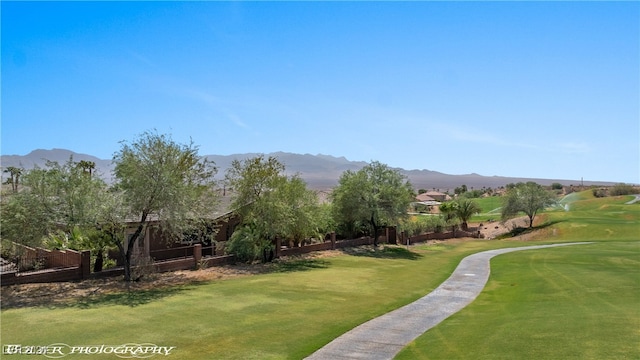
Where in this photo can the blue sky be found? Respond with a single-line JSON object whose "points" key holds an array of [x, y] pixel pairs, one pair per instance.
{"points": [[531, 89]]}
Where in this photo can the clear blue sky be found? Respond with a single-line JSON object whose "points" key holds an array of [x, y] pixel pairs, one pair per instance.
{"points": [[531, 89]]}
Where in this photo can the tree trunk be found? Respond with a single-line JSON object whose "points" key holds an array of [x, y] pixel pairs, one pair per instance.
{"points": [[127, 266], [375, 231], [130, 246], [97, 266], [267, 255]]}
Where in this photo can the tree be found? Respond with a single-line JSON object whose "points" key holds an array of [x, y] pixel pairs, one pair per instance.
{"points": [[465, 209], [164, 179], [252, 181], [271, 204], [87, 166], [24, 219], [111, 222], [251, 178], [58, 208], [376, 195], [527, 197], [449, 211], [556, 186], [55, 198], [14, 177], [302, 215], [460, 190]]}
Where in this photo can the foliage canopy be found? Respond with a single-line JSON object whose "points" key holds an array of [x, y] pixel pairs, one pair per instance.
{"points": [[528, 198], [375, 195], [161, 178]]}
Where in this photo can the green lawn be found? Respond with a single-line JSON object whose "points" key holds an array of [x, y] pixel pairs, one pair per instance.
{"points": [[581, 302], [274, 316], [575, 302], [490, 208]]}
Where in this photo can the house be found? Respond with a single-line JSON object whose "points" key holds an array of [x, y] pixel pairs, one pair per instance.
{"points": [[437, 196], [160, 245], [426, 200], [430, 200]]}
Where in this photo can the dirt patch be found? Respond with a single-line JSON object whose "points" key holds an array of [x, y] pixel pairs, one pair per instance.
{"points": [[493, 229]]}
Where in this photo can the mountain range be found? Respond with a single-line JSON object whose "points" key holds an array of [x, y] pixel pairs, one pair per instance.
{"points": [[321, 172]]}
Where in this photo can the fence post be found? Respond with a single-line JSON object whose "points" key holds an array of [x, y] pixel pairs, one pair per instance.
{"points": [[85, 264], [197, 253], [333, 240], [278, 246]]}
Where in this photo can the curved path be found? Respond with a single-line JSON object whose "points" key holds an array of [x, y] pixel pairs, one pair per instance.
{"points": [[635, 200], [384, 336]]}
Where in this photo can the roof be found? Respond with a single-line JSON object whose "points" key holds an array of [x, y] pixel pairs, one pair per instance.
{"points": [[424, 197]]}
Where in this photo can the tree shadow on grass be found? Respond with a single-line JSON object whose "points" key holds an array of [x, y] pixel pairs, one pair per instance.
{"points": [[131, 298], [93, 293], [302, 264], [386, 252]]}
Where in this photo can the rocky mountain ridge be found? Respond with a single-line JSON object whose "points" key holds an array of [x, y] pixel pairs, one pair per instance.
{"points": [[319, 171]]}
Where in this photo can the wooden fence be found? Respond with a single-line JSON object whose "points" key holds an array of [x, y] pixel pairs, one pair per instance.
{"points": [[36, 265], [71, 265]]}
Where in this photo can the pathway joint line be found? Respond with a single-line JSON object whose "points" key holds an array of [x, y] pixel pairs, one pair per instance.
{"points": [[383, 337]]}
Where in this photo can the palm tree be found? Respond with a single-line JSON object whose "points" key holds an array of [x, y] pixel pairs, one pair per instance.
{"points": [[87, 166], [465, 209], [449, 211]]}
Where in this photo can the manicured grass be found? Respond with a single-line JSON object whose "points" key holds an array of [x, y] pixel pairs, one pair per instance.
{"points": [[581, 302], [489, 204], [575, 302], [597, 219], [490, 208], [287, 314]]}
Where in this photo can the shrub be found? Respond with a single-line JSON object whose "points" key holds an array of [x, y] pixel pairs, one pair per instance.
{"points": [[243, 244], [621, 189], [556, 186], [422, 224], [599, 192]]}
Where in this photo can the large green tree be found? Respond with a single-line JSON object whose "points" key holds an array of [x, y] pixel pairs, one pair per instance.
{"points": [[58, 197], [25, 218], [162, 180], [271, 205], [529, 198], [302, 215], [376, 195]]}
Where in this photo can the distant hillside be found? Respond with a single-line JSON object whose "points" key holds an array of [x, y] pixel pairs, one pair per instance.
{"points": [[319, 171], [39, 157]]}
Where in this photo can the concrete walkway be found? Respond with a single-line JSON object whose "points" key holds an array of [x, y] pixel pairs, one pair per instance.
{"points": [[637, 198], [384, 336]]}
